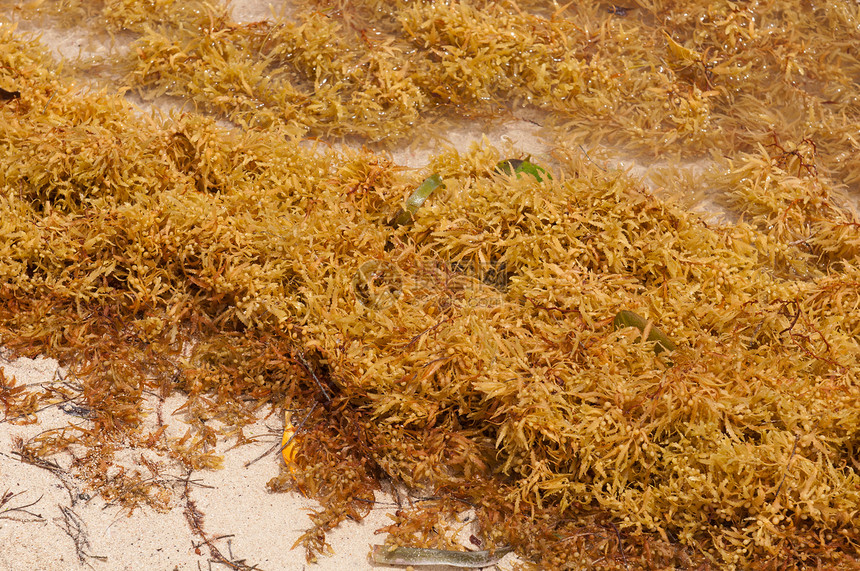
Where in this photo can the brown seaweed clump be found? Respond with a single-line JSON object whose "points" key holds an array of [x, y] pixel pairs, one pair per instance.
{"points": [[470, 351]]}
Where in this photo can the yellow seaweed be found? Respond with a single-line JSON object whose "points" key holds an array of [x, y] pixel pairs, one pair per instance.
{"points": [[242, 266]]}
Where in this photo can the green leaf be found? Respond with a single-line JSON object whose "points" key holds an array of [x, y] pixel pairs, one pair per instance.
{"points": [[510, 166]]}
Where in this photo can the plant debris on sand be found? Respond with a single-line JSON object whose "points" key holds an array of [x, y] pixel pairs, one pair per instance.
{"points": [[473, 349]]}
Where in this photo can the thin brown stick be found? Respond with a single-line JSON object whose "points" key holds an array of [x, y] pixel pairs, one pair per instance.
{"points": [[8, 497], [620, 545], [300, 357], [787, 465], [288, 442], [76, 529]]}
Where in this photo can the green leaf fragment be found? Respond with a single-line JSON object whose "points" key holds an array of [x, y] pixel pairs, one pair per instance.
{"points": [[626, 318], [416, 199], [511, 166]]}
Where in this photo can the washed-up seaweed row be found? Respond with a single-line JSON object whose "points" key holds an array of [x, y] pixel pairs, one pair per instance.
{"points": [[605, 378]]}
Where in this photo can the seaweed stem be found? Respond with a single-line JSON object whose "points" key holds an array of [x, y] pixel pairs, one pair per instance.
{"points": [[307, 366], [620, 545]]}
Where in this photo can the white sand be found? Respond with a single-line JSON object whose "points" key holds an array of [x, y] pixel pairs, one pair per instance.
{"points": [[256, 526], [68, 527]]}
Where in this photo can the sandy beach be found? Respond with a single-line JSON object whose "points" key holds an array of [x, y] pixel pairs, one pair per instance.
{"points": [[644, 355], [52, 520]]}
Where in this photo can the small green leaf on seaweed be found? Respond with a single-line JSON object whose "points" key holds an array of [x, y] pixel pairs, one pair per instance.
{"points": [[626, 318], [416, 199], [510, 166]]}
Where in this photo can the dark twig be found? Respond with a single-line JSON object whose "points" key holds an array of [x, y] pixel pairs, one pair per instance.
{"points": [[307, 366], [28, 457], [787, 464], [11, 512], [194, 517], [620, 545], [415, 339], [581, 148], [76, 529]]}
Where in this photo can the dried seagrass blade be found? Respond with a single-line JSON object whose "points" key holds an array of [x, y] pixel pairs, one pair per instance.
{"points": [[417, 556], [626, 318]]}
